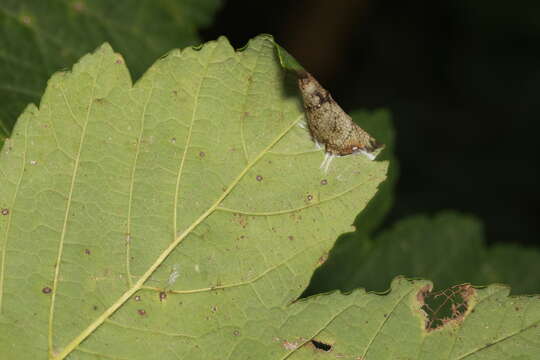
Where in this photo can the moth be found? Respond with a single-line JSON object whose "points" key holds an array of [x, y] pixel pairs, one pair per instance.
{"points": [[330, 126]]}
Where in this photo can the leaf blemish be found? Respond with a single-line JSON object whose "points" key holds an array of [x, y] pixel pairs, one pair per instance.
{"points": [[202, 154], [87, 251], [310, 197], [46, 290], [137, 298], [320, 346], [322, 259], [290, 345], [447, 306], [259, 178], [5, 211], [173, 276], [141, 312], [240, 220], [324, 182], [162, 295]]}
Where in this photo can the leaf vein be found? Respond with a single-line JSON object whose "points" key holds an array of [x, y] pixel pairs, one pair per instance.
{"points": [[68, 206]]}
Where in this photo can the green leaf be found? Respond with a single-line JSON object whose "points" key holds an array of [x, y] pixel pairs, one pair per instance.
{"points": [[287, 61], [187, 211], [41, 37], [448, 248]]}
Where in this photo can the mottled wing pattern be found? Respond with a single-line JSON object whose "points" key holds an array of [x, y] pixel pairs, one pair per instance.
{"points": [[329, 124]]}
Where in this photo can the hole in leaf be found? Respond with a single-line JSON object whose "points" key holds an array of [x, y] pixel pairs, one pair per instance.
{"points": [[321, 346], [444, 306]]}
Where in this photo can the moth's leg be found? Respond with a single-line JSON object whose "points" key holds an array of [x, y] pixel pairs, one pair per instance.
{"points": [[302, 123], [369, 155], [328, 157]]}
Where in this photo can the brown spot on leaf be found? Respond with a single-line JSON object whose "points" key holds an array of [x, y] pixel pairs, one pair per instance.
{"points": [[5, 211], [46, 290], [162, 295], [309, 197], [137, 298], [290, 345], [141, 312], [259, 178], [202, 154], [240, 219], [324, 182], [87, 251], [322, 259]]}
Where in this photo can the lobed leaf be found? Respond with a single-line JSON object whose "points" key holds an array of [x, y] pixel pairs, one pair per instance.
{"points": [[181, 217], [189, 204]]}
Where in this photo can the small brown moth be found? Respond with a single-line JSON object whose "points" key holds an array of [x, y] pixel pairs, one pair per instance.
{"points": [[330, 126]]}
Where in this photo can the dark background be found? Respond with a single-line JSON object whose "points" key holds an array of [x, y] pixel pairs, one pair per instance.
{"points": [[460, 77]]}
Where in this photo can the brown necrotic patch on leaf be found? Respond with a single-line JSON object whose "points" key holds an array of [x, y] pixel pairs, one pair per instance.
{"points": [[240, 219], [443, 307], [290, 345]]}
